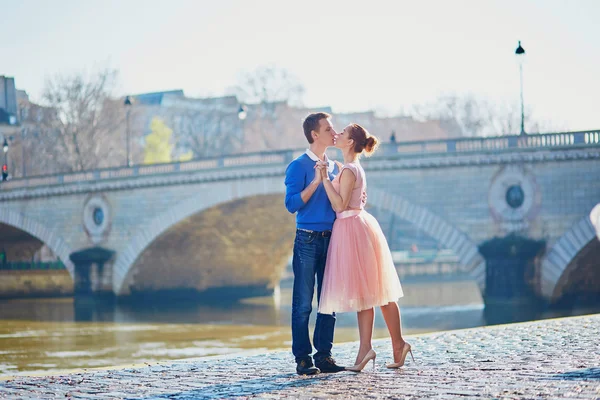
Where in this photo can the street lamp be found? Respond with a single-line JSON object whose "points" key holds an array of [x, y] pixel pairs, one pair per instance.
{"points": [[520, 52], [5, 165], [127, 104], [242, 112], [23, 133]]}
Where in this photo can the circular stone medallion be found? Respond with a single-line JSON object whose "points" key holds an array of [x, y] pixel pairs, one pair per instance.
{"points": [[96, 218], [513, 197]]}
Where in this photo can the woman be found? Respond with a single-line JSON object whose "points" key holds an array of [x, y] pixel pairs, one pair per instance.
{"points": [[360, 272]]}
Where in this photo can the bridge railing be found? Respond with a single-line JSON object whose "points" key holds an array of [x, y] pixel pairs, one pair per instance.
{"points": [[461, 145], [457, 145]]}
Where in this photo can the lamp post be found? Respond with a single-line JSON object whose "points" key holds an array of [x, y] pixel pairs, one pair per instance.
{"points": [[5, 165], [23, 133], [242, 112], [520, 53], [127, 104]]}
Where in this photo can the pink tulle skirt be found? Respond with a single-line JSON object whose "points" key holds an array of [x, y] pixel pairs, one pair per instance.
{"points": [[360, 272]]}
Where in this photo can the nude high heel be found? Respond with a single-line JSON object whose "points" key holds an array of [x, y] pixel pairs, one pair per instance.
{"points": [[405, 350], [358, 367]]}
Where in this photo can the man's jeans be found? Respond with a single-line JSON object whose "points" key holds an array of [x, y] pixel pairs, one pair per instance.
{"points": [[310, 254]]}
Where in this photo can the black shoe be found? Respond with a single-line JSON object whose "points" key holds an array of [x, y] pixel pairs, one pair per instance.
{"points": [[328, 365], [306, 367]]}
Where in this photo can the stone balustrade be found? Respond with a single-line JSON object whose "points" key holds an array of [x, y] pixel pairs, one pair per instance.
{"points": [[509, 143]]}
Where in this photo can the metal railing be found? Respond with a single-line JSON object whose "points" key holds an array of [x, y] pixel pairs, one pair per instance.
{"points": [[457, 145], [537, 141]]}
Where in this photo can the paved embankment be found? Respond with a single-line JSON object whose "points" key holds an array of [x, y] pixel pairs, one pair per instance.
{"points": [[544, 359]]}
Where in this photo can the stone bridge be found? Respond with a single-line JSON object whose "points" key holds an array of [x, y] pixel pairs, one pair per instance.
{"points": [[220, 224]]}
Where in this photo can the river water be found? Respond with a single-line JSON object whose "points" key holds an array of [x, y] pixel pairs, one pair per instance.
{"points": [[42, 336]]}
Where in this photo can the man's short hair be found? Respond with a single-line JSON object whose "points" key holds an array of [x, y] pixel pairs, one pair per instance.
{"points": [[311, 123]]}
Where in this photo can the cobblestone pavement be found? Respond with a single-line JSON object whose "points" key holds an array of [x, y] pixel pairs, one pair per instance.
{"points": [[544, 359]]}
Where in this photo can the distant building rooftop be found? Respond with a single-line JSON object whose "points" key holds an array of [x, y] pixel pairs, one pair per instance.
{"points": [[8, 101], [156, 98], [7, 118]]}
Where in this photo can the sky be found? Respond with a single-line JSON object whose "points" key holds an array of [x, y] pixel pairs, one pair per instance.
{"points": [[351, 55]]}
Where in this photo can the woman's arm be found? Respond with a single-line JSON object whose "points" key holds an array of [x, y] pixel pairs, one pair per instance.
{"points": [[339, 201]]}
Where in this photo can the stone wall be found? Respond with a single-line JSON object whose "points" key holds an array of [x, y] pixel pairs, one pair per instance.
{"points": [[16, 284], [471, 203]]}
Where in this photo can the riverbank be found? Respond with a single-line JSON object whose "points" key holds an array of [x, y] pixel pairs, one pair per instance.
{"points": [[53, 335], [15, 284], [541, 359]]}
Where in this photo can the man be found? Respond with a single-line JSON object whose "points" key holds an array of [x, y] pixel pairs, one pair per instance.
{"points": [[305, 196]]}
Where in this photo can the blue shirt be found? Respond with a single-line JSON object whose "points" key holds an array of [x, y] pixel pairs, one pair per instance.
{"points": [[316, 214]]}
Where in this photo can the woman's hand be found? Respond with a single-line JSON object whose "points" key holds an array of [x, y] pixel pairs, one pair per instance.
{"points": [[322, 168]]}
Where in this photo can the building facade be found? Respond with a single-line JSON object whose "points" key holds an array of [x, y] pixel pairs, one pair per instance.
{"points": [[204, 127]]}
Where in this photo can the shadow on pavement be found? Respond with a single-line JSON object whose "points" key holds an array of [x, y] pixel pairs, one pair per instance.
{"points": [[587, 374], [248, 387]]}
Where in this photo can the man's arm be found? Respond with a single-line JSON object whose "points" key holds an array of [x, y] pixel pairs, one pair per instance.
{"points": [[296, 196]]}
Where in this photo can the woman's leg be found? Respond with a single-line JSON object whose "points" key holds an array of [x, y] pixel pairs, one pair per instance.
{"points": [[391, 314], [366, 318]]}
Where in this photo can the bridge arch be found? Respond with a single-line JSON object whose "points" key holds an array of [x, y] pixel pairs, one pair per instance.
{"points": [[430, 223], [41, 232], [564, 250], [445, 233], [215, 193]]}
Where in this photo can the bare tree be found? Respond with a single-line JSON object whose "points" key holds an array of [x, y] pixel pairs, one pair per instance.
{"points": [[272, 96], [25, 142], [206, 133], [202, 127], [475, 116], [86, 128], [269, 84]]}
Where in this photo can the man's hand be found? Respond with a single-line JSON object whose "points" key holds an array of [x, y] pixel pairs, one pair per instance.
{"points": [[322, 168], [318, 174]]}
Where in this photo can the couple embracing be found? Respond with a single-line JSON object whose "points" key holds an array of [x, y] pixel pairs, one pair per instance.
{"points": [[341, 247]]}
